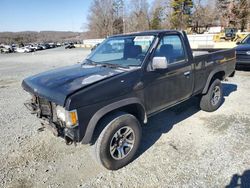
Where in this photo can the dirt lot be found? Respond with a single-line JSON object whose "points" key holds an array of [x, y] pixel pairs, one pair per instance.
{"points": [[181, 147]]}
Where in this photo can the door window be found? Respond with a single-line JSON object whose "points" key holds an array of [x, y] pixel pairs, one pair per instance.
{"points": [[172, 48]]}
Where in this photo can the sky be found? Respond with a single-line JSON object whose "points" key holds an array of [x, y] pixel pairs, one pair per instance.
{"points": [[40, 15]]}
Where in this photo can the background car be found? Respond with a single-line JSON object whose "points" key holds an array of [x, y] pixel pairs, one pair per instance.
{"points": [[23, 50], [3, 50], [71, 45], [58, 44], [243, 52], [39, 47], [52, 45], [6, 49]]}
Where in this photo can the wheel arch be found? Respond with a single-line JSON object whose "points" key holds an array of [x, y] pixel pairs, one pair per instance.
{"points": [[131, 105], [216, 74]]}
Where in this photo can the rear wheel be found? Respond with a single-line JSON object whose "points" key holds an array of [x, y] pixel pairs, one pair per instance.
{"points": [[213, 99], [118, 142]]}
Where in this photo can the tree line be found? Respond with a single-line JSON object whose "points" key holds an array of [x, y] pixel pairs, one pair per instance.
{"points": [[109, 17], [39, 37]]}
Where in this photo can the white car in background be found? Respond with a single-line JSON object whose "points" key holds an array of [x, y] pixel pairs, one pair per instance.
{"points": [[6, 49], [31, 47], [23, 50]]}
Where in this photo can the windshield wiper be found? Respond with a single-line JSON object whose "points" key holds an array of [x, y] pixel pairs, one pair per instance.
{"points": [[110, 65]]}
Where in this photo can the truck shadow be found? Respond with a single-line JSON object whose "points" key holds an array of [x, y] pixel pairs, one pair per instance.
{"points": [[163, 122], [228, 89], [240, 181]]}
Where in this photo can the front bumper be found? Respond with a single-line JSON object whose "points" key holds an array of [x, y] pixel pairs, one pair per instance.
{"points": [[69, 134], [242, 58], [243, 62], [45, 110]]}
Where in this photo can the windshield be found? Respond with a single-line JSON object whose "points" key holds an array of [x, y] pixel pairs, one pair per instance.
{"points": [[246, 40], [122, 51]]}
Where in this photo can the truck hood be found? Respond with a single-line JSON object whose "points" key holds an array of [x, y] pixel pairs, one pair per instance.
{"points": [[243, 47], [56, 85]]}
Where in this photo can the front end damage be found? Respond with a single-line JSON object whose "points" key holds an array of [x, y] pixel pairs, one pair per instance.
{"points": [[47, 112]]}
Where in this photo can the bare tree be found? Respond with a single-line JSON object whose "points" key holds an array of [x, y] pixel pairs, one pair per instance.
{"points": [[160, 14], [138, 18], [106, 18], [234, 13], [181, 14], [204, 16], [118, 16], [38, 37], [109, 17], [101, 18], [243, 13]]}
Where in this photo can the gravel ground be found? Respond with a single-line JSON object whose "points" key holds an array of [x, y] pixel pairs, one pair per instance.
{"points": [[181, 147]]}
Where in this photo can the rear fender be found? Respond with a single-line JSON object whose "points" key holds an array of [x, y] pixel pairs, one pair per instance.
{"points": [[212, 75]]}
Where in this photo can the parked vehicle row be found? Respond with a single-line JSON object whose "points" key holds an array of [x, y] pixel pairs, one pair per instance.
{"points": [[32, 47]]}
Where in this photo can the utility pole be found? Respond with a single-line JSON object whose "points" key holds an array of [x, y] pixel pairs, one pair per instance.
{"points": [[123, 17]]}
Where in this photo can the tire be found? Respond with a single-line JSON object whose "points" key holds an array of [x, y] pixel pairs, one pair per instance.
{"points": [[214, 97], [111, 150]]}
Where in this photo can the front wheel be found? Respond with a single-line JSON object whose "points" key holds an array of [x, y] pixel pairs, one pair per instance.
{"points": [[118, 141], [214, 97]]}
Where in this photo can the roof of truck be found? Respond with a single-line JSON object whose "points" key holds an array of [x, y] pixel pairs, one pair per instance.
{"points": [[150, 32]]}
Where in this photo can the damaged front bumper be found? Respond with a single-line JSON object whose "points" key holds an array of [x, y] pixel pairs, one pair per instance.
{"points": [[46, 111]]}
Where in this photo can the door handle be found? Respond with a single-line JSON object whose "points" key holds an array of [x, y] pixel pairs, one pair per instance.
{"points": [[187, 73]]}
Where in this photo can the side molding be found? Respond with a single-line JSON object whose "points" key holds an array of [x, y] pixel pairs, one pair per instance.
{"points": [[103, 111]]}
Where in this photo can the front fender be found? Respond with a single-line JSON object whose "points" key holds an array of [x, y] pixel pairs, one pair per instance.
{"points": [[109, 108]]}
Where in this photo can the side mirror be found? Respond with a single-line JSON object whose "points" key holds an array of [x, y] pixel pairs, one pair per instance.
{"points": [[159, 63], [238, 42]]}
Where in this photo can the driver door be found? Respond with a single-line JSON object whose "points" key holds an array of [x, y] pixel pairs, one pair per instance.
{"points": [[166, 87]]}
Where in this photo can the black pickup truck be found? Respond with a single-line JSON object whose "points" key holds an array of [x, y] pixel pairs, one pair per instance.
{"points": [[105, 100]]}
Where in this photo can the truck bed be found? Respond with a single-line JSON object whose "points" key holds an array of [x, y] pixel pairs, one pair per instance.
{"points": [[207, 61]]}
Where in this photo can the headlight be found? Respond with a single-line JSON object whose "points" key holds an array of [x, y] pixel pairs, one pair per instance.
{"points": [[69, 117], [60, 112]]}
